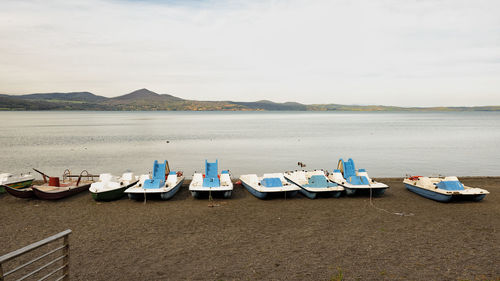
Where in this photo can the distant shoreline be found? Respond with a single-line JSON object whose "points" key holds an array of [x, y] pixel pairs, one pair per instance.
{"points": [[145, 100], [409, 110]]}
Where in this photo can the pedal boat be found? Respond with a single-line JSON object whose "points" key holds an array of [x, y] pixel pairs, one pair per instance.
{"points": [[15, 181], [354, 180], [164, 183], [110, 187], [55, 188], [314, 183], [443, 189], [269, 185], [211, 183]]}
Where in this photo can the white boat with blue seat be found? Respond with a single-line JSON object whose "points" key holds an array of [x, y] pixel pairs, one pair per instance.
{"points": [[443, 189], [163, 183], [352, 180], [211, 183], [314, 183], [269, 184]]}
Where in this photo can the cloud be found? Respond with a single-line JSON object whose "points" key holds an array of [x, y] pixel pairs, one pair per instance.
{"points": [[355, 52]]}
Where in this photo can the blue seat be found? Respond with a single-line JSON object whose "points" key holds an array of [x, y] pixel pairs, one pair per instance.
{"points": [[319, 181], [349, 170], [271, 182], [211, 174], [450, 185], [356, 180], [211, 182], [158, 180]]}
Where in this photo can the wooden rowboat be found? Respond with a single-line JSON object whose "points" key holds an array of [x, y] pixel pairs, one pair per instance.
{"points": [[26, 192], [54, 189]]}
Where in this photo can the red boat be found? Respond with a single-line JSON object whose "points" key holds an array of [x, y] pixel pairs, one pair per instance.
{"points": [[54, 188]]}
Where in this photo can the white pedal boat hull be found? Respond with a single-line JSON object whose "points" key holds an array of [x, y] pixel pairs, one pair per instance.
{"points": [[253, 184], [302, 180], [224, 189], [167, 191]]}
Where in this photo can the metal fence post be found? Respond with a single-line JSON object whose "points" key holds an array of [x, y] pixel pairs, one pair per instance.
{"points": [[66, 258]]}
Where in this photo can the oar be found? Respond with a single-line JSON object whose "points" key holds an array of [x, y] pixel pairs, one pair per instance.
{"points": [[44, 175]]}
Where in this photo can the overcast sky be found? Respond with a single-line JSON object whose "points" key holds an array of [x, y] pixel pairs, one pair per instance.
{"points": [[397, 52]]}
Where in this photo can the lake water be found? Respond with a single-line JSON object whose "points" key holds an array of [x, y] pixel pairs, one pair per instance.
{"points": [[386, 144]]}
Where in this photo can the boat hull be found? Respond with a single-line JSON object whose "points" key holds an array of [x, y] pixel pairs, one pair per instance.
{"points": [[376, 192], [162, 195], [476, 198], [26, 192], [111, 195], [16, 185], [314, 195], [258, 194], [268, 195], [59, 194], [444, 197], [428, 194], [206, 194]]}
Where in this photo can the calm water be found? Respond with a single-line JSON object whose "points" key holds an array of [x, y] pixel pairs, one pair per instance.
{"points": [[386, 144]]}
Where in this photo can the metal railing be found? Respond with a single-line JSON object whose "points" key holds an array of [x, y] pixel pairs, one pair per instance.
{"points": [[64, 268]]}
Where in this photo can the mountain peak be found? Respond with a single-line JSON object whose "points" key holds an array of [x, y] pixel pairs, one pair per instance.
{"points": [[264, 101], [139, 94], [143, 92]]}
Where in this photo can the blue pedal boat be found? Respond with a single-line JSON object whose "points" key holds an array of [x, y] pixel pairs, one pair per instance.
{"points": [[211, 183], [352, 180], [164, 183], [443, 189], [314, 183], [268, 185]]}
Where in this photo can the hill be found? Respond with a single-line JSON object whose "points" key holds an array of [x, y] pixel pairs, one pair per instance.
{"points": [[72, 96], [145, 95], [144, 99]]}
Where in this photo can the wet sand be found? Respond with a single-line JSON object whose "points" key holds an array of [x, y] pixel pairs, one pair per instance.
{"points": [[245, 238]]}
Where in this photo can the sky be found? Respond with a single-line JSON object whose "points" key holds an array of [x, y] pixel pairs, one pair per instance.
{"points": [[389, 52]]}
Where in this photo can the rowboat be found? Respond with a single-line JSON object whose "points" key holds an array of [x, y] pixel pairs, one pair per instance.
{"points": [[314, 183], [164, 183], [443, 189], [354, 180], [26, 192], [269, 185], [15, 181], [55, 188], [110, 187], [211, 183]]}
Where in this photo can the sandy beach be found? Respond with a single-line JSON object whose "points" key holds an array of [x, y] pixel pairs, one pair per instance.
{"points": [[245, 238]]}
